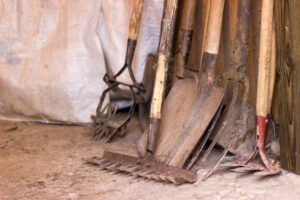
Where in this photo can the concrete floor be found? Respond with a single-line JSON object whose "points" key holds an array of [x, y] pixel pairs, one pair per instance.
{"points": [[45, 162]]}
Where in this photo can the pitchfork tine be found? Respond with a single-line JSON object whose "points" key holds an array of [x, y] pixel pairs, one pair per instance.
{"points": [[224, 125], [199, 150], [244, 100]]}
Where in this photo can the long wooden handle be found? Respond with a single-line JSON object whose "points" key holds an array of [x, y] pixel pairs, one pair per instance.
{"points": [[264, 60], [272, 71], [188, 14], [185, 36], [135, 19], [163, 55], [164, 49], [212, 38]]}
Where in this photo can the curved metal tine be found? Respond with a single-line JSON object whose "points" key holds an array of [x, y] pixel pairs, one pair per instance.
{"points": [[102, 98], [253, 155], [115, 109], [204, 141], [103, 132], [134, 102], [232, 162], [109, 110], [99, 128], [98, 134], [132, 76], [109, 136], [104, 109], [245, 81], [120, 71], [127, 119], [224, 125]]}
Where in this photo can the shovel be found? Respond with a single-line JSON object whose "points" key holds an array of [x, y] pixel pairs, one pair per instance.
{"points": [[191, 103], [234, 75]]}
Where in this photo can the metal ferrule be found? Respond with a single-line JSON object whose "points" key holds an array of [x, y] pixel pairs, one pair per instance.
{"points": [[186, 43], [131, 44], [152, 137], [261, 123]]}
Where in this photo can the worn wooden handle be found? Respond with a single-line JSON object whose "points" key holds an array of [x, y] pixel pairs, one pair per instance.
{"points": [[212, 38], [264, 61], [159, 86], [164, 48], [135, 19], [185, 36], [214, 27], [272, 71], [188, 14]]}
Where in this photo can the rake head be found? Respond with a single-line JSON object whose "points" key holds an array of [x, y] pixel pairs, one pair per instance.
{"points": [[141, 168]]}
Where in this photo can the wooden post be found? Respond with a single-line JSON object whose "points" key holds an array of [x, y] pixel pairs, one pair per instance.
{"points": [[287, 19]]}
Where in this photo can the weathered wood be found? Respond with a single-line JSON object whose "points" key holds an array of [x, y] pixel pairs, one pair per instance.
{"points": [[187, 21], [163, 56], [264, 59], [185, 37], [288, 68], [164, 51], [192, 103], [135, 19], [272, 71]]}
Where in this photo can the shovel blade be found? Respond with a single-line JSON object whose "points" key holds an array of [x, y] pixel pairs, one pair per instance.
{"points": [[187, 112]]}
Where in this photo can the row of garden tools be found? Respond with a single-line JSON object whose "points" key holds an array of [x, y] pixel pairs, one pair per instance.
{"points": [[180, 126], [106, 122]]}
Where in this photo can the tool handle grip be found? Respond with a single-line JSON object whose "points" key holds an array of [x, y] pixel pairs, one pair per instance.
{"points": [[185, 36], [187, 21], [265, 48], [212, 36], [214, 26], [164, 49], [135, 19]]}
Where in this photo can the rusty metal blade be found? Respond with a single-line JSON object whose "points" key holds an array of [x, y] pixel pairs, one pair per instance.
{"points": [[187, 112], [249, 167], [150, 170], [269, 172]]}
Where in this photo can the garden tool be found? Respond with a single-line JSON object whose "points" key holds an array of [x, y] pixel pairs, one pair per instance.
{"points": [[266, 78], [232, 76], [106, 122], [185, 35], [192, 101], [147, 166]]}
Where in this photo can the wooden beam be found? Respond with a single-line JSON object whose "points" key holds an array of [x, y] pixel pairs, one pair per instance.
{"points": [[287, 19]]}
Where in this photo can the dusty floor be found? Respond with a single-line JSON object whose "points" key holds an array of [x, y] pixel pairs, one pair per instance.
{"points": [[45, 162]]}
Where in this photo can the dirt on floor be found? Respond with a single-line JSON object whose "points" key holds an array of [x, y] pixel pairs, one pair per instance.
{"points": [[40, 161]]}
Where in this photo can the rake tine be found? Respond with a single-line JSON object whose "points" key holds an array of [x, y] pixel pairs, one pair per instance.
{"points": [[102, 98], [163, 178], [101, 132]]}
